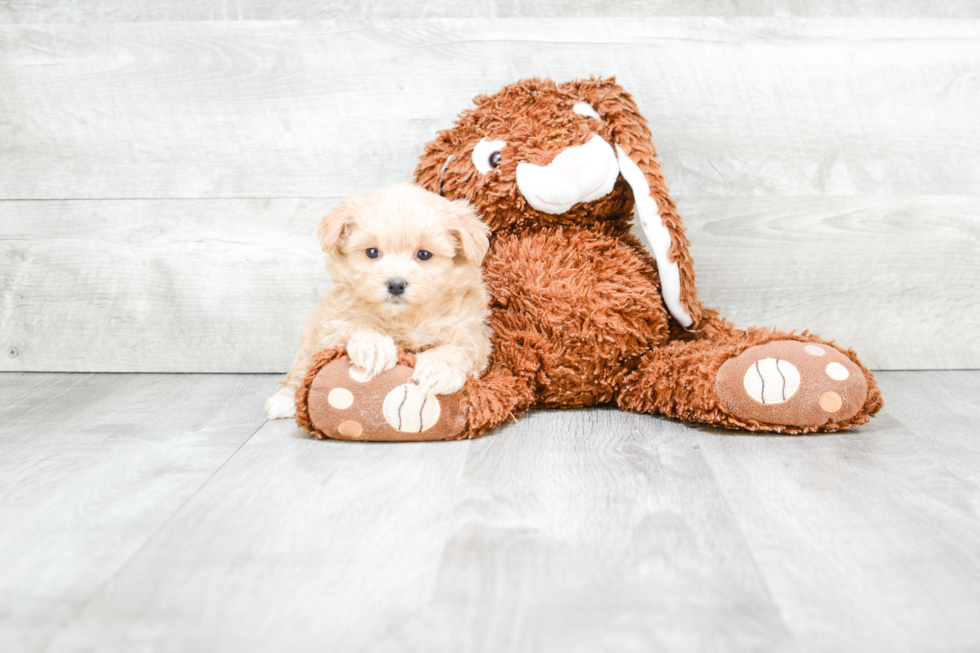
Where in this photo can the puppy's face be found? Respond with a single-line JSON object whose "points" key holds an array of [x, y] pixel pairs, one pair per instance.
{"points": [[400, 247]]}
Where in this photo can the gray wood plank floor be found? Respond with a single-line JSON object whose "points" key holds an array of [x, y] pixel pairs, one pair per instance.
{"points": [[163, 513]]}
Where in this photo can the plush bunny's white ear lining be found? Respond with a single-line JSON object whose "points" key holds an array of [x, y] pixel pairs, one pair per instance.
{"points": [[657, 234], [585, 109]]}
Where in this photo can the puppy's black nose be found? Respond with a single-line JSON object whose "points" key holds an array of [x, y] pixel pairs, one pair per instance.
{"points": [[397, 286]]}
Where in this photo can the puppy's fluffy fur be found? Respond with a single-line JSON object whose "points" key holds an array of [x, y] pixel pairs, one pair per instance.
{"points": [[441, 313]]}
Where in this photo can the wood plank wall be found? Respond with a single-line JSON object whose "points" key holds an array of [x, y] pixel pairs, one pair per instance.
{"points": [[163, 164]]}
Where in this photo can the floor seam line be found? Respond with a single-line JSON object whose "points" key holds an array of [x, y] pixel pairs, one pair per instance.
{"points": [[748, 545]]}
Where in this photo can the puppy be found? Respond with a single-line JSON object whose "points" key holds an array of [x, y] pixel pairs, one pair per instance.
{"points": [[405, 270]]}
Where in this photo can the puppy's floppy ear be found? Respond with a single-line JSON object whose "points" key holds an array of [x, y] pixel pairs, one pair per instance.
{"points": [[333, 224], [472, 234], [654, 205]]}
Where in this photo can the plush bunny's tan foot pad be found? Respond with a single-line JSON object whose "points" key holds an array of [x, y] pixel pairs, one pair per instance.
{"points": [[387, 407], [792, 383]]}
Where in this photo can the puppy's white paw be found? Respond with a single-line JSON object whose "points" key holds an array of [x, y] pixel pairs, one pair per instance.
{"points": [[372, 353], [280, 406], [436, 377]]}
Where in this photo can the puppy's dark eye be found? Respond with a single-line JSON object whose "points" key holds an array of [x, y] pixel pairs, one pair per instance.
{"points": [[494, 159], [372, 252], [424, 255]]}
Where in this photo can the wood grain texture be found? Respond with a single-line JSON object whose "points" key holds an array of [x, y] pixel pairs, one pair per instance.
{"points": [[567, 531], [896, 278], [739, 107], [165, 286], [869, 540], [72, 11], [826, 170], [91, 467], [226, 285]]}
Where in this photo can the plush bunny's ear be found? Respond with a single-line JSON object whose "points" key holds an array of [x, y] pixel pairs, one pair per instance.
{"points": [[654, 207], [430, 173]]}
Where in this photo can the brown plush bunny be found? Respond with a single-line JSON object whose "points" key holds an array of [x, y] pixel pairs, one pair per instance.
{"points": [[581, 313]]}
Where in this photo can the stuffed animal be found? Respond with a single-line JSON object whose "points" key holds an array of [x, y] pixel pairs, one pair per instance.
{"points": [[582, 314]]}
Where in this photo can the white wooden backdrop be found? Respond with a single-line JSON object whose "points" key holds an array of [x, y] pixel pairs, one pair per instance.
{"points": [[163, 165]]}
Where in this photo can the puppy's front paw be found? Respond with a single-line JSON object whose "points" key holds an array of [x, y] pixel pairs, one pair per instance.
{"points": [[280, 405], [372, 353], [437, 377]]}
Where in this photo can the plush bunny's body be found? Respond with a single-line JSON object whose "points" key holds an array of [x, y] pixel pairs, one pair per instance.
{"points": [[582, 314]]}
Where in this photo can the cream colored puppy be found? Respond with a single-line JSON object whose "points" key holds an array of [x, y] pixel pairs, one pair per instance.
{"points": [[405, 271]]}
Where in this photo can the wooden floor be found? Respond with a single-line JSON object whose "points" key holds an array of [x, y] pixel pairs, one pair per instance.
{"points": [[164, 513]]}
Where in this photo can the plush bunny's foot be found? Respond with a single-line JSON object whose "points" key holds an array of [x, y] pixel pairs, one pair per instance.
{"points": [[791, 383], [340, 403], [757, 380]]}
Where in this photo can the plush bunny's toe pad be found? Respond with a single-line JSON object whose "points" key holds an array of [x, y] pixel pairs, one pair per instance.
{"points": [[388, 407], [791, 383]]}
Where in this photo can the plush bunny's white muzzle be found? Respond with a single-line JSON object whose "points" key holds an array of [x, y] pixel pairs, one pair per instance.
{"points": [[583, 173]]}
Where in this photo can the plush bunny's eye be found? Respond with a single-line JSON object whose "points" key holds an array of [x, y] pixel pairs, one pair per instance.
{"points": [[486, 155]]}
